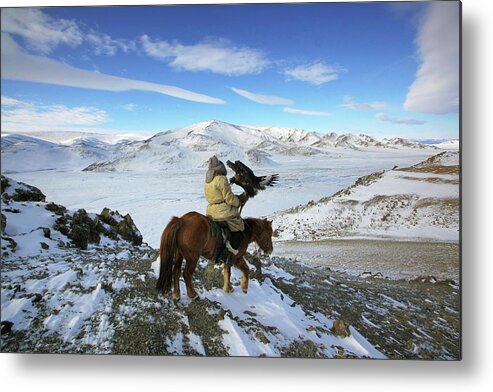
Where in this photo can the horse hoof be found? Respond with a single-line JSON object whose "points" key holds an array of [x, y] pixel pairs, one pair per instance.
{"points": [[244, 290], [228, 289]]}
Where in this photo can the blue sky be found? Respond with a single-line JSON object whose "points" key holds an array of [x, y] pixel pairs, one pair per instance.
{"points": [[384, 69]]}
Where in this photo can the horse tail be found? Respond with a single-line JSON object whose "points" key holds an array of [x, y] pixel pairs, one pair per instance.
{"points": [[167, 254]]}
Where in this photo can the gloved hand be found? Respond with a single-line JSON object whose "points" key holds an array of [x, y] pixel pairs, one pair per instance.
{"points": [[243, 198]]}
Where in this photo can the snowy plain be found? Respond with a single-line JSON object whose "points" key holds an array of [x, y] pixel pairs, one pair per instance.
{"points": [[152, 197]]}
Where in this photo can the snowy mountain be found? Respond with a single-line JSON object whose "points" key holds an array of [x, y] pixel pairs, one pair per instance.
{"points": [[65, 137], [22, 153], [448, 145], [191, 146], [421, 201]]}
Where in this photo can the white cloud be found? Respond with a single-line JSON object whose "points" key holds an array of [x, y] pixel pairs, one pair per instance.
{"points": [[218, 56], [263, 99], [436, 88], [350, 103], [20, 116], [41, 32], [129, 107], [105, 44], [8, 101], [405, 121], [18, 65], [317, 73], [305, 112]]}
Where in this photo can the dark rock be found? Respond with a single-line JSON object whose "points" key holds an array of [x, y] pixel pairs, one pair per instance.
{"points": [[106, 216], [13, 210], [339, 328], [44, 245], [61, 225], [127, 229], [37, 297], [4, 184], [260, 336], [56, 208], [46, 232], [221, 314], [6, 327], [83, 230], [123, 226], [3, 222], [12, 244], [24, 193]]}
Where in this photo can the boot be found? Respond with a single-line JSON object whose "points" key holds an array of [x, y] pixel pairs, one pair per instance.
{"points": [[236, 239], [223, 257]]}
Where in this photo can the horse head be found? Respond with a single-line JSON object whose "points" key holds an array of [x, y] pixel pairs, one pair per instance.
{"points": [[264, 236]]}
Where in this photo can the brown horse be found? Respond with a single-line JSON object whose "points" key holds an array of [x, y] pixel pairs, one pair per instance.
{"points": [[189, 237]]}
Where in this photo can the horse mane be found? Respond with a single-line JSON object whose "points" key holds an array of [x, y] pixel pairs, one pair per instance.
{"points": [[254, 225]]}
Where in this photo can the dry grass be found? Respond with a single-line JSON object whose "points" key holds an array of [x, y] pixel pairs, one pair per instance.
{"points": [[448, 203], [437, 169], [433, 180]]}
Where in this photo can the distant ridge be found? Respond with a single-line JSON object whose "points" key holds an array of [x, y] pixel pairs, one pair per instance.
{"points": [[191, 146]]}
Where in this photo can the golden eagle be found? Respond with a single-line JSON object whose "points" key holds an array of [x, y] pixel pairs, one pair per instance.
{"points": [[245, 178]]}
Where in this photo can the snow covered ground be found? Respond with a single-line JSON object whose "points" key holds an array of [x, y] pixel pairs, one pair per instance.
{"points": [[59, 298], [266, 321], [418, 202], [62, 299], [153, 197]]}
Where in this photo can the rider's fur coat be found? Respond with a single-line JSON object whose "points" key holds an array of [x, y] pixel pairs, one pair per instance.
{"points": [[223, 204]]}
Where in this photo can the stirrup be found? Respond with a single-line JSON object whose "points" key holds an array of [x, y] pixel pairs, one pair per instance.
{"points": [[231, 249]]}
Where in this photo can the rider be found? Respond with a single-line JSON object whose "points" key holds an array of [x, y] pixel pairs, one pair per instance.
{"points": [[223, 204]]}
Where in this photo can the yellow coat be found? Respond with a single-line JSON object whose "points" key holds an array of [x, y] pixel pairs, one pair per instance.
{"points": [[223, 203]]}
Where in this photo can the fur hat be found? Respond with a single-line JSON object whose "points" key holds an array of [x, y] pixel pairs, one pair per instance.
{"points": [[216, 167]]}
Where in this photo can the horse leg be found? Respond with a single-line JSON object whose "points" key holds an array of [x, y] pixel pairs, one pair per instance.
{"points": [[190, 265], [176, 277], [227, 287], [243, 266]]}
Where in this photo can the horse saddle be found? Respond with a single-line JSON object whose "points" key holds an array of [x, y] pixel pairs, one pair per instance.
{"points": [[221, 233]]}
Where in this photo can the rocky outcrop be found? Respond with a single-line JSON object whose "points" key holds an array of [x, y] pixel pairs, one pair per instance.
{"points": [[18, 191], [84, 230], [123, 226], [79, 228]]}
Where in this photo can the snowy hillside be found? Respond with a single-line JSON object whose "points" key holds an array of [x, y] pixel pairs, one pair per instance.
{"points": [[448, 145], [22, 153], [421, 201], [75, 282], [191, 146], [66, 137]]}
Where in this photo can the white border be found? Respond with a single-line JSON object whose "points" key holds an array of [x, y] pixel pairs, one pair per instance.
{"points": [[112, 373]]}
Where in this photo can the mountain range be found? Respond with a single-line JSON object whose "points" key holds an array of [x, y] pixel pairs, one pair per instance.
{"points": [[180, 148], [191, 146]]}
